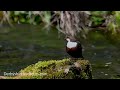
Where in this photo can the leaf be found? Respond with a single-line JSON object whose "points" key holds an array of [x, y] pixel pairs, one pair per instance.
{"points": [[22, 20], [17, 12]]}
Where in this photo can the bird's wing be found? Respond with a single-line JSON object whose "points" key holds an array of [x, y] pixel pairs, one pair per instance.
{"points": [[79, 44]]}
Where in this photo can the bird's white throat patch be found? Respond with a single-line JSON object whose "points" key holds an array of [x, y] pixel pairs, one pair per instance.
{"points": [[71, 44]]}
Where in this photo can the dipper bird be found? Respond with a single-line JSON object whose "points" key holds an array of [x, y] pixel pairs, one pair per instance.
{"points": [[74, 48]]}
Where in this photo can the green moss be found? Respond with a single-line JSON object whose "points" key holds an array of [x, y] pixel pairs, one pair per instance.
{"points": [[55, 69]]}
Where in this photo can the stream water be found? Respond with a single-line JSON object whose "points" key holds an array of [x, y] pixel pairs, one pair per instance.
{"points": [[26, 44]]}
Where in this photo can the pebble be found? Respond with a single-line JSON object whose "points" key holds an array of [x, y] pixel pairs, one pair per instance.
{"points": [[106, 74], [109, 63], [106, 65]]}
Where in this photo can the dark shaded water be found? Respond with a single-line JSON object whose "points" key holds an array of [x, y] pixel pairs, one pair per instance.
{"points": [[27, 44]]}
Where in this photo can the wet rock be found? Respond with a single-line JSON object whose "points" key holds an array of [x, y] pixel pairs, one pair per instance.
{"points": [[57, 69]]}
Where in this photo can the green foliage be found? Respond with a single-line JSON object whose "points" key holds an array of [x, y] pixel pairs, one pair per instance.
{"points": [[98, 13], [44, 18], [114, 22], [28, 17], [37, 19], [47, 17], [25, 17], [97, 20], [117, 18], [112, 28], [97, 17]]}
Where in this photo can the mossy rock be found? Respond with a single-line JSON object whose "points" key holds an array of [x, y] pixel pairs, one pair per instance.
{"points": [[55, 69]]}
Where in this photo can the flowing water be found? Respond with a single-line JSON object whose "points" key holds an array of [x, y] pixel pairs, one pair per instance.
{"points": [[26, 44]]}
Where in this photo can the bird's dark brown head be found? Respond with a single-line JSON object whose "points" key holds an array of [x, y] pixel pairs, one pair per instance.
{"points": [[70, 38]]}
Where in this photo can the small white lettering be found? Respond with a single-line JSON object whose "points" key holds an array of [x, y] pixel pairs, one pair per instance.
{"points": [[23, 74]]}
